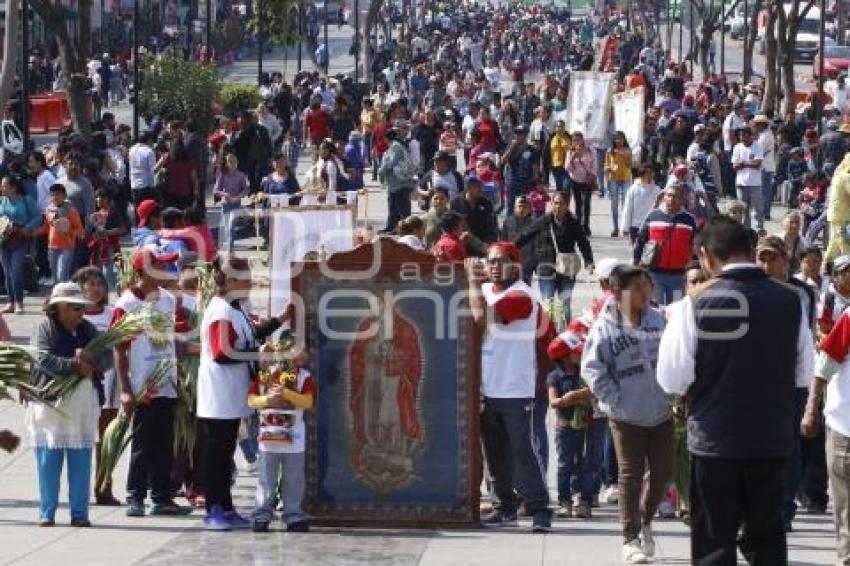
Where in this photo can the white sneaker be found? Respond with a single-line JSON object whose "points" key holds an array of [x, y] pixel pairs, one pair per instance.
{"points": [[251, 467], [46, 282], [666, 509], [647, 542], [611, 494], [632, 553]]}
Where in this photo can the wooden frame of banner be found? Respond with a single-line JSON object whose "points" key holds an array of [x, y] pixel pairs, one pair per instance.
{"points": [[396, 260]]}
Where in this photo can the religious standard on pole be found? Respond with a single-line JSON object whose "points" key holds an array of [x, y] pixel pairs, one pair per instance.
{"points": [[136, 85], [25, 74]]}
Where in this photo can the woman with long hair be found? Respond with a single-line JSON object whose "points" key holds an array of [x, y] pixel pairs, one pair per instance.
{"points": [[181, 186], [98, 312], [618, 169], [581, 166], [21, 219]]}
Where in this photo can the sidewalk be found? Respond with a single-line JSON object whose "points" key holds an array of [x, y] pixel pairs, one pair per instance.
{"points": [[117, 539]]}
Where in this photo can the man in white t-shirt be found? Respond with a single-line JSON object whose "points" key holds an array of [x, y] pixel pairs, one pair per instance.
{"points": [[142, 161], [505, 307], [767, 143], [747, 157], [838, 91], [734, 120]]}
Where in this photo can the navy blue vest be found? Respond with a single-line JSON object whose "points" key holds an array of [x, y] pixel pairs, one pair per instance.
{"points": [[741, 404]]}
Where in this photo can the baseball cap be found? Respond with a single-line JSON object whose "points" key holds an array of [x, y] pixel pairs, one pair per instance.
{"points": [[472, 180], [143, 258], [604, 267], [699, 128], [564, 344], [773, 244], [145, 209], [841, 263]]}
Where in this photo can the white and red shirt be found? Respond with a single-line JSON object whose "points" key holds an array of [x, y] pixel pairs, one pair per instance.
{"points": [[509, 349], [145, 353], [282, 430], [833, 365], [224, 376]]}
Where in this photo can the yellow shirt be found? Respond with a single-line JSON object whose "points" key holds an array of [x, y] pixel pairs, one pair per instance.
{"points": [[838, 209], [558, 150], [368, 119], [618, 165]]}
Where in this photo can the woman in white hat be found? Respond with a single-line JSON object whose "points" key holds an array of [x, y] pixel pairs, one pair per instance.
{"points": [[60, 340]]}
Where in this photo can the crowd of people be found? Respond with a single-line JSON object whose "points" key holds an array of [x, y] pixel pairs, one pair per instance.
{"points": [[466, 122]]}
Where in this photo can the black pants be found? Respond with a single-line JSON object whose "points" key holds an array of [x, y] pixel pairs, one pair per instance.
{"points": [[730, 494], [815, 476], [582, 196], [40, 254], [398, 204], [219, 437], [151, 451]]}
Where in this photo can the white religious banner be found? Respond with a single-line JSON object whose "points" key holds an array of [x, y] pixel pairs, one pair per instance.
{"points": [[589, 104], [302, 232], [629, 113]]}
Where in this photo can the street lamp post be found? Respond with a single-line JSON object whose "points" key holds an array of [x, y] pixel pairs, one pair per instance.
{"points": [[25, 74], [722, 42], [327, 47], [102, 25], [136, 85], [691, 36], [208, 27], [681, 22], [356, 40], [261, 43], [819, 105], [300, 31]]}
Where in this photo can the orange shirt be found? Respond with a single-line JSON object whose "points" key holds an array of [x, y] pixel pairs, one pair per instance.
{"points": [[63, 230]]}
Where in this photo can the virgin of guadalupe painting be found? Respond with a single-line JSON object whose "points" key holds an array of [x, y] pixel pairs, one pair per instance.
{"points": [[393, 437], [385, 370]]}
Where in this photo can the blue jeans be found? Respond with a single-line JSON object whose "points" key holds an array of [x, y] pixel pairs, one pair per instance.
{"points": [[108, 271], [580, 458], [617, 192], [669, 286], [249, 445], [560, 287], [506, 436], [767, 190], [600, 169], [562, 180], [794, 462], [226, 235], [398, 207], [12, 260], [61, 263], [539, 435], [49, 465]]}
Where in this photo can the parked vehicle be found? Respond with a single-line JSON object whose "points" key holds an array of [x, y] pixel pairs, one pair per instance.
{"points": [[836, 60]]}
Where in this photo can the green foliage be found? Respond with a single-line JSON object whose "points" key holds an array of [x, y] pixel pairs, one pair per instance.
{"points": [[236, 97], [174, 88], [277, 21]]}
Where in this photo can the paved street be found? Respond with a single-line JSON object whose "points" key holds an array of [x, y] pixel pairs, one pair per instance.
{"points": [[116, 539]]}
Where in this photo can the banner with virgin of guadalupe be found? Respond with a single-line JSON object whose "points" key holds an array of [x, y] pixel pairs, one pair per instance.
{"points": [[589, 104], [629, 116], [393, 438]]}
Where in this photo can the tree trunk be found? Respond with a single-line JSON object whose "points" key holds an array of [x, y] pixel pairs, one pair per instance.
{"points": [[706, 32], [770, 78], [784, 49], [369, 23], [750, 43], [10, 52], [73, 55]]}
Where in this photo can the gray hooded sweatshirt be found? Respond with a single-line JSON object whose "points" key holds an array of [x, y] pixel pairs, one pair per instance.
{"points": [[619, 365]]}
